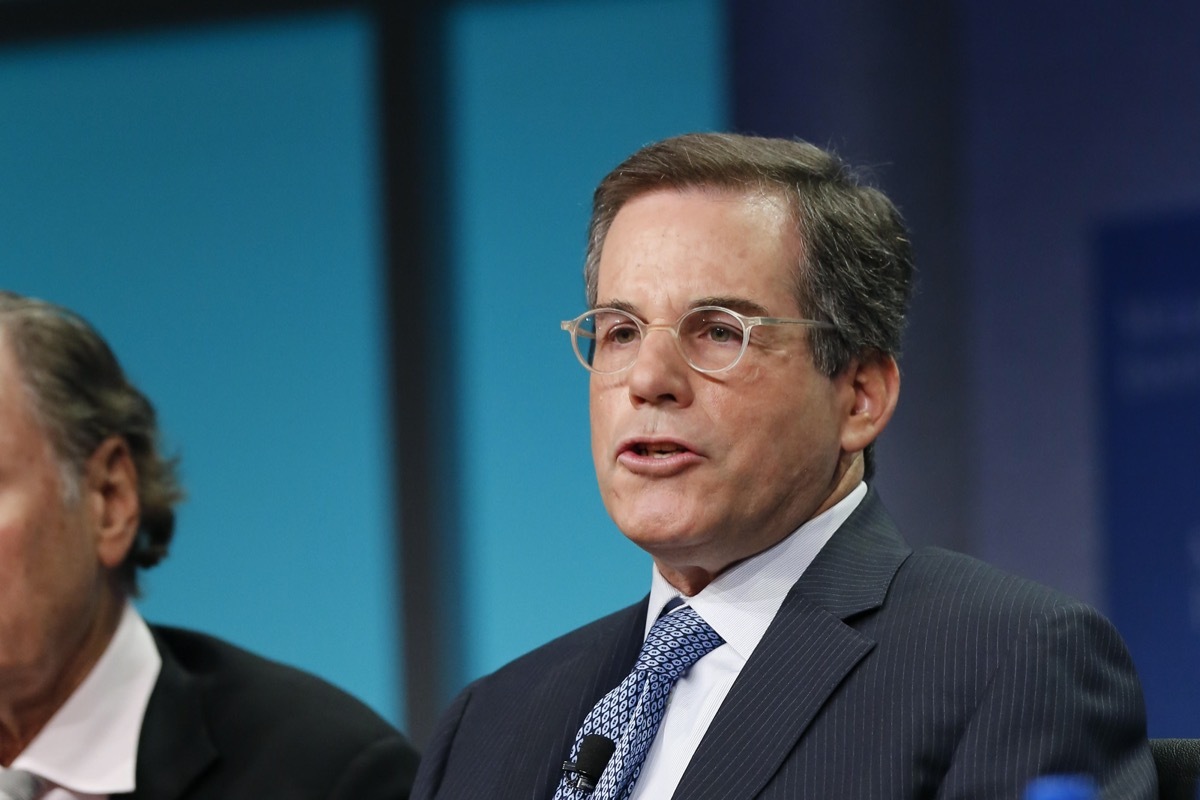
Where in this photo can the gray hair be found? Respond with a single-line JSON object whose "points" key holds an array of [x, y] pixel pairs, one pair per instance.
{"points": [[81, 397], [856, 268]]}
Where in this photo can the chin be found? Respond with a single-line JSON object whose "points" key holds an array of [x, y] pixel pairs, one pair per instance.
{"points": [[659, 510], [660, 533]]}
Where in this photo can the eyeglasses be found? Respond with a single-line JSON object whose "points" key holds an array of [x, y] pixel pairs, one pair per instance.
{"points": [[710, 338]]}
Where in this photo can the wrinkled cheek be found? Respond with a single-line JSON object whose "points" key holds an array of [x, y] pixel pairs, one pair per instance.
{"points": [[619, 490], [601, 462], [20, 638], [602, 410]]}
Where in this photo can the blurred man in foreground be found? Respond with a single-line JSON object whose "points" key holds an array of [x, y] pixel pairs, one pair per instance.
{"points": [[93, 702], [746, 301]]}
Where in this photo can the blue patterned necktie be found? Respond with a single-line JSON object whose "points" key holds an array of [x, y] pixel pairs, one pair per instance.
{"points": [[629, 715]]}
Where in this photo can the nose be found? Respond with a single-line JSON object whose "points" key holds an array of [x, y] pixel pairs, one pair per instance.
{"points": [[660, 374]]}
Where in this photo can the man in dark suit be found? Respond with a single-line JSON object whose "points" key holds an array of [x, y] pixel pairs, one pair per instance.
{"points": [[93, 701], [747, 298]]}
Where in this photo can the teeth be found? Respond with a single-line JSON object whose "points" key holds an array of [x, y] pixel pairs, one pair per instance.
{"points": [[658, 450]]}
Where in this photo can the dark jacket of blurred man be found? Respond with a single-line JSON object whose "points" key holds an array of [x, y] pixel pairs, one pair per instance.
{"points": [[93, 701], [746, 300]]}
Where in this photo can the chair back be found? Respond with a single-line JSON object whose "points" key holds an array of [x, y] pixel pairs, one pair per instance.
{"points": [[1178, 763]]}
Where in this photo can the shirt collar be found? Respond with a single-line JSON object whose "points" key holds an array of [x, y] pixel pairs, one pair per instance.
{"points": [[90, 744], [741, 602]]}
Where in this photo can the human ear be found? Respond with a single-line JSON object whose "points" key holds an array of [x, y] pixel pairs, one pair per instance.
{"points": [[875, 381], [111, 494]]}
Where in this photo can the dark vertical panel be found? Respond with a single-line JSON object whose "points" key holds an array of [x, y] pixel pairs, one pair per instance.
{"points": [[879, 82], [422, 314], [24, 20]]}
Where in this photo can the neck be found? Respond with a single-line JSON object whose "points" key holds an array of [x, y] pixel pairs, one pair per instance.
{"points": [[690, 579], [26, 707]]}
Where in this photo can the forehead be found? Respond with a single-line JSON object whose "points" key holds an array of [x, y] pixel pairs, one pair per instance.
{"points": [[675, 248]]}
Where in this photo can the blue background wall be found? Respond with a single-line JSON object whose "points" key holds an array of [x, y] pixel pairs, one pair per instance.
{"points": [[207, 198], [229, 172], [546, 98], [1083, 126], [1149, 319]]}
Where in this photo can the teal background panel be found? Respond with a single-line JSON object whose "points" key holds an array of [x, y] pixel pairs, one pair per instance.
{"points": [[544, 99], [207, 197]]}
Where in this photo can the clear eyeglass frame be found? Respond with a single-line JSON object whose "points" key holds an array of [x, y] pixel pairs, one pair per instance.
{"points": [[578, 331]]}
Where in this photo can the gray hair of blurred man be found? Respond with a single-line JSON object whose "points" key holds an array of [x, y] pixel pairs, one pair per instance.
{"points": [[856, 269], [81, 397]]}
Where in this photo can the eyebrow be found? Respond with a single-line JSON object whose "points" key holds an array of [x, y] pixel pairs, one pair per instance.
{"points": [[741, 305], [738, 304]]}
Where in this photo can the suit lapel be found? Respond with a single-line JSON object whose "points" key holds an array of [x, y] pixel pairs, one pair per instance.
{"points": [[807, 651], [175, 746], [587, 676]]}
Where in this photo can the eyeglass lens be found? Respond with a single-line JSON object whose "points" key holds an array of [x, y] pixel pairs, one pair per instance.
{"points": [[709, 339]]}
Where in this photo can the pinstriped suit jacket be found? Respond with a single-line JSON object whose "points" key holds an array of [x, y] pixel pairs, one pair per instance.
{"points": [[887, 673]]}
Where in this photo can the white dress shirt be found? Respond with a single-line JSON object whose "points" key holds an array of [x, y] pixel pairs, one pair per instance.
{"points": [[88, 749], [739, 605]]}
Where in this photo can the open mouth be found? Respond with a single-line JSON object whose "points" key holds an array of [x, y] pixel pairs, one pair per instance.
{"points": [[657, 450]]}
